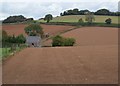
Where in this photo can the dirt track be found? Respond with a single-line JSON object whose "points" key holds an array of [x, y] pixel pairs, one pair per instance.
{"points": [[95, 61]]}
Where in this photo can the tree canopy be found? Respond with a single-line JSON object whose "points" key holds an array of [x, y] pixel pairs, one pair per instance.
{"points": [[108, 21], [15, 19], [34, 30], [48, 17], [102, 12], [82, 12]]}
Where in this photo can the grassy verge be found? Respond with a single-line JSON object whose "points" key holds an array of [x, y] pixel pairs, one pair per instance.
{"points": [[6, 52]]}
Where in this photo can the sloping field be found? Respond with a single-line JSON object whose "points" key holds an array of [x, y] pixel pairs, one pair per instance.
{"points": [[94, 61], [75, 18], [72, 65], [19, 29], [91, 36], [94, 36]]}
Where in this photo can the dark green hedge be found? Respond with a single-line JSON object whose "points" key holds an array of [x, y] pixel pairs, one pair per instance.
{"points": [[61, 41]]}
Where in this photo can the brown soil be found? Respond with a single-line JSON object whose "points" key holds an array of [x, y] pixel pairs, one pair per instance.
{"points": [[94, 36], [19, 29], [72, 65], [95, 61], [86, 36]]}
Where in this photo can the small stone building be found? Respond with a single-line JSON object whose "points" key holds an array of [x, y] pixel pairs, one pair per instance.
{"points": [[33, 41]]}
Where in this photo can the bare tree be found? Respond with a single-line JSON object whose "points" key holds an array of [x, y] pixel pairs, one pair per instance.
{"points": [[89, 17]]}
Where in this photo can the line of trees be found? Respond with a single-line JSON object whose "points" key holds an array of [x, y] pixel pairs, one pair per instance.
{"points": [[15, 19], [82, 12]]}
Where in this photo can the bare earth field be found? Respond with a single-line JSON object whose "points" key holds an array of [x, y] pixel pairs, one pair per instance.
{"points": [[19, 29], [94, 36], [91, 36], [94, 60]]}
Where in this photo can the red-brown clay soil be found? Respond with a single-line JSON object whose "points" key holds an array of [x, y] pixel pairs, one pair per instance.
{"points": [[94, 61], [86, 36], [94, 36], [18, 29], [15, 29], [72, 65]]}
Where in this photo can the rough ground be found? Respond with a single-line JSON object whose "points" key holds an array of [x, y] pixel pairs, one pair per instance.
{"points": [[93, 61]]}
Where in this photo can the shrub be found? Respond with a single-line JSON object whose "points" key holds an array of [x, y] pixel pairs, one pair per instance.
{"points": [[57, 41], [16, 39], [61, 41], [34, 29], [80, 21], [4, 36], [108, 21], [69, 42], [20, 39]]}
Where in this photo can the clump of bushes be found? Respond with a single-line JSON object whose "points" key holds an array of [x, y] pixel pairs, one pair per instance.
{"points": [[61, 41], [69, 41], [13, 39], [80, 21], [34, 30], [108, 21]]}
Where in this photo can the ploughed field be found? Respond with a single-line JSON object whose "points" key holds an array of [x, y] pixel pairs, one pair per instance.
{"points": [[18, 29], [93, 60], [92, 36]]}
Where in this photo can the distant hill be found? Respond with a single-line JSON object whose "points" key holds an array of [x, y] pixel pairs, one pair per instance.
{"points": [[16, 19], [76, 11], [75, 18]]}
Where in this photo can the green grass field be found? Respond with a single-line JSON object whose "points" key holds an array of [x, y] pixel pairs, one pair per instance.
{"points": [[75, 18], [4, 52], [7, 51]]}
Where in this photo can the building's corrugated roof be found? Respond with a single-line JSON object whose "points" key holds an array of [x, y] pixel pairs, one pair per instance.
{"points": [[32, 39]]}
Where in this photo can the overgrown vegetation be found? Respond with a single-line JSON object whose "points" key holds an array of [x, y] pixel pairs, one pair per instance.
{"points": [[61, 41], [34, 30], [11, 43], [20, 39]]}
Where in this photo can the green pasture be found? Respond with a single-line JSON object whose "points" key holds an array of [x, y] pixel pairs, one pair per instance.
{"points": [[4, 52], [75, 18]]}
